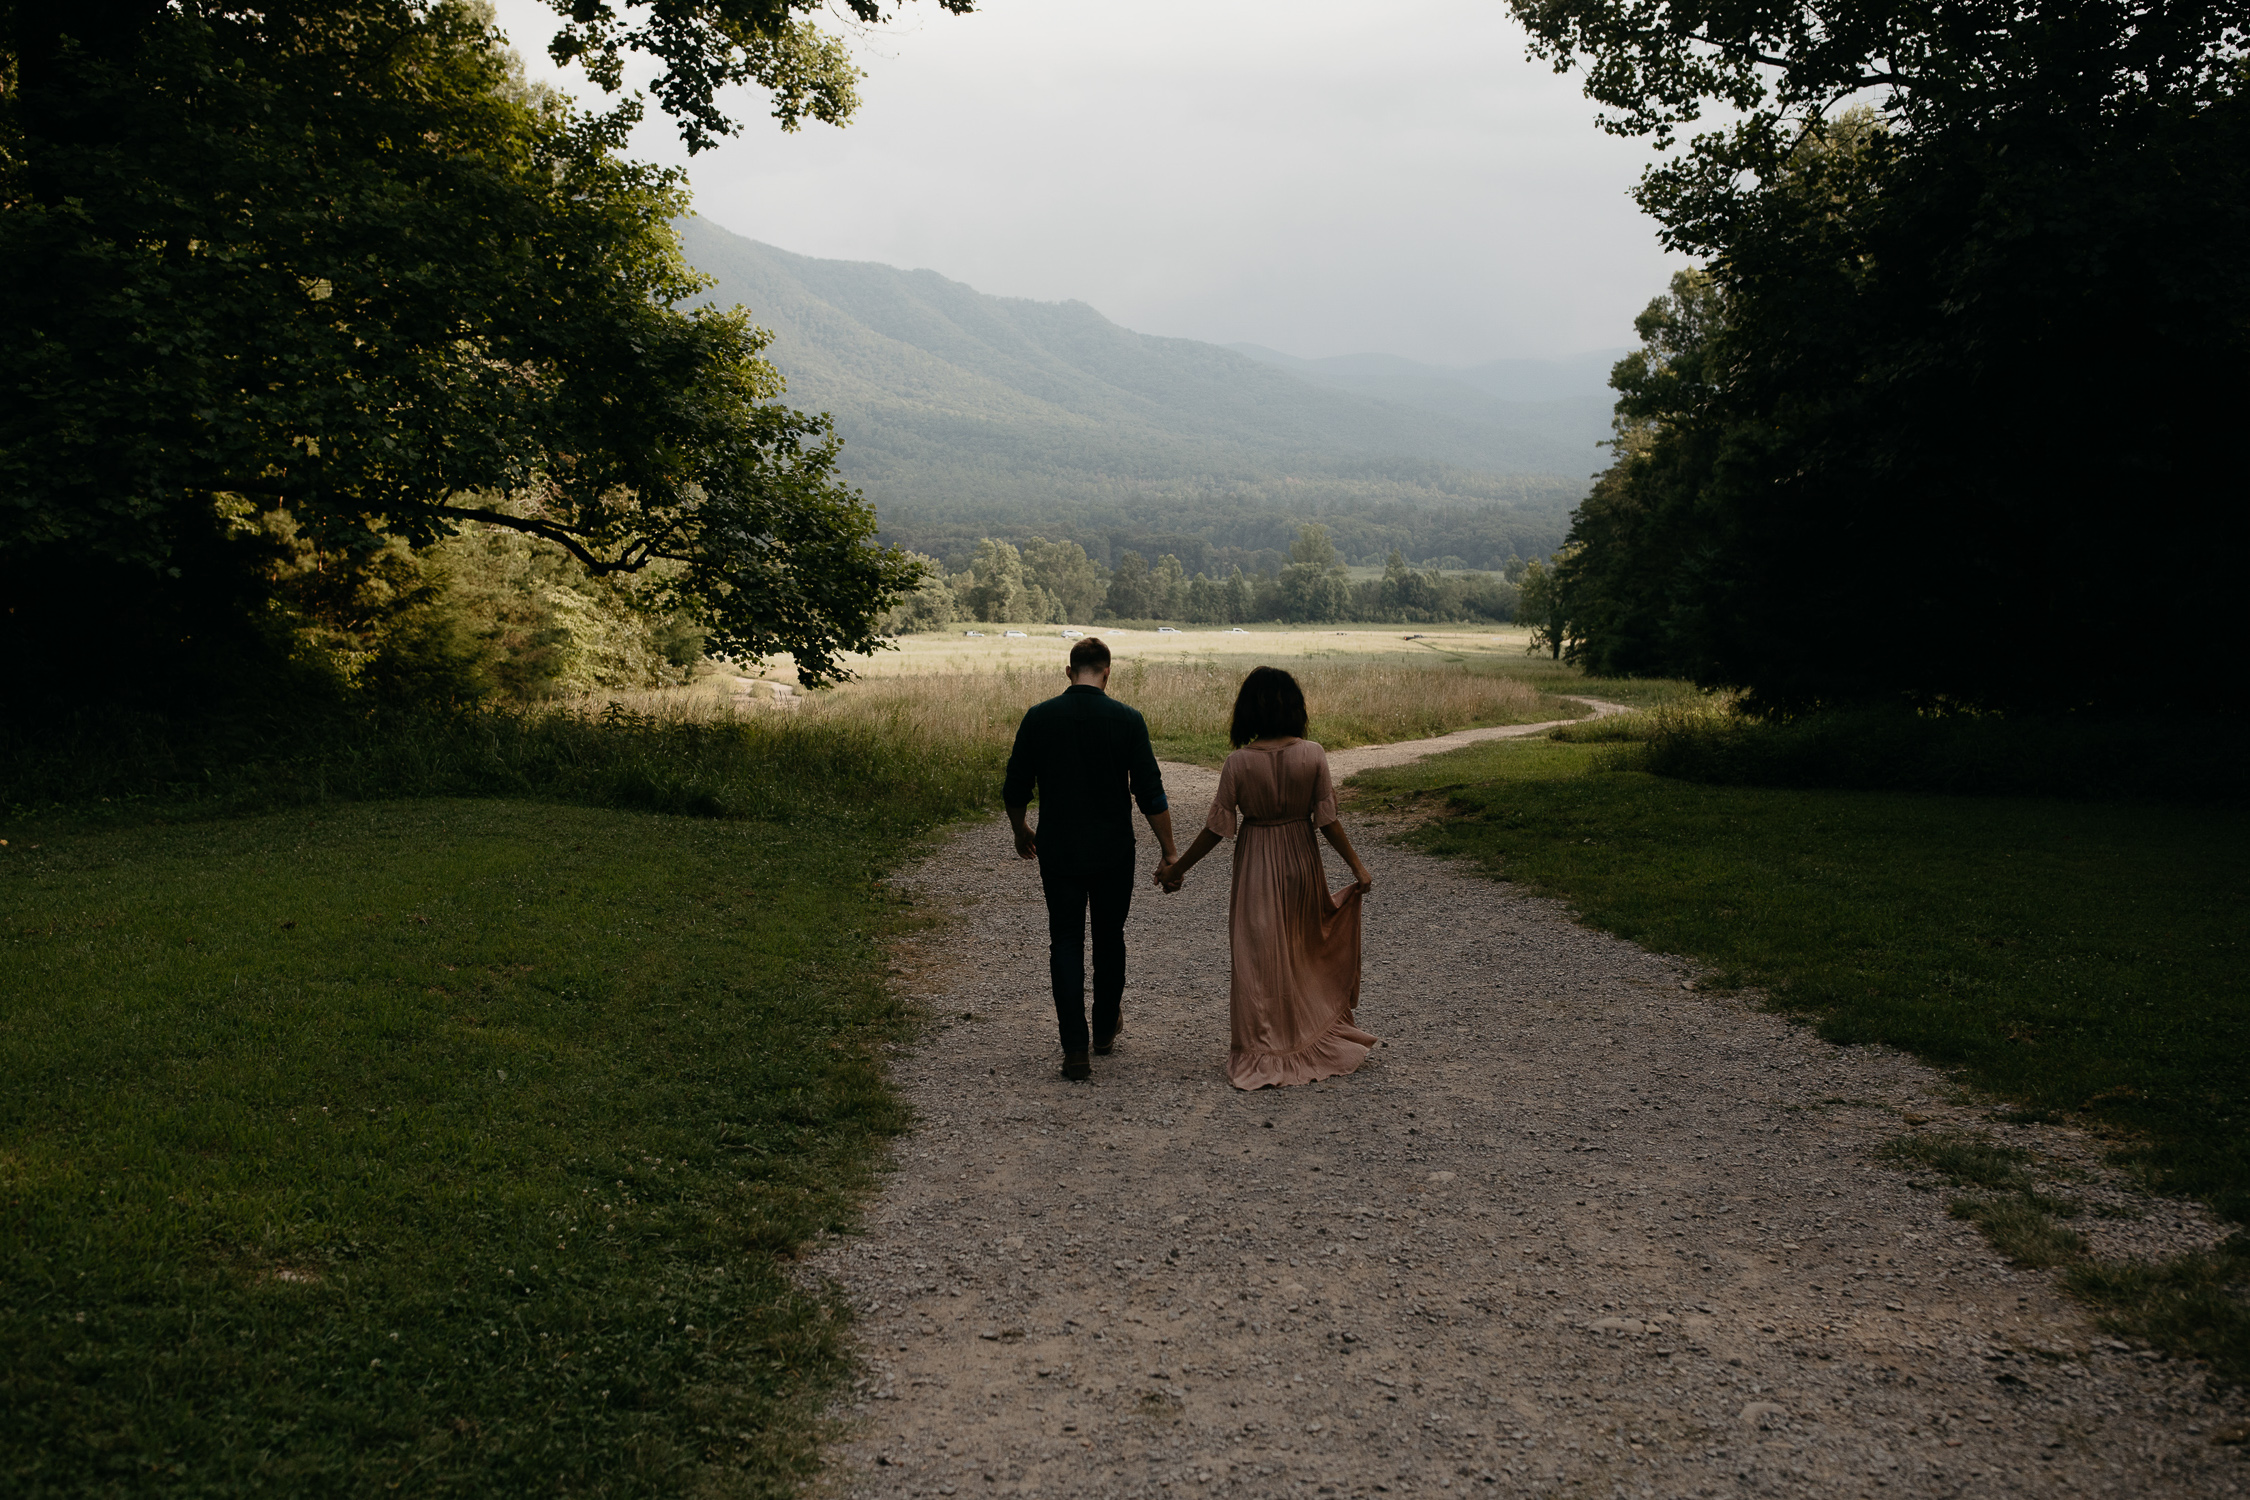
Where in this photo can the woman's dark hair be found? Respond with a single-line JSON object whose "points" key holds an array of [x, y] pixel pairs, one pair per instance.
{"points": [[1269, 707]]}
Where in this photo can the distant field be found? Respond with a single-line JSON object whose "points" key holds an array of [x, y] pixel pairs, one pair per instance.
{"points": [[1498, 650], [955, 650], [1363, 686]]}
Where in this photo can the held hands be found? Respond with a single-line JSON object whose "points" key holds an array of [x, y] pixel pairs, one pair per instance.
{"points": [[1168, 875]]}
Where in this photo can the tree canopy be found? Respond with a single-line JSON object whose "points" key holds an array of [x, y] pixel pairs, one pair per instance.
{"points": [[1976, 292], [338, 262]]}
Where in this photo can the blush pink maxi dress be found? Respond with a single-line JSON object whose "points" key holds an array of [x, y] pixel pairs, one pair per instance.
{"points": [[1296, 946]]}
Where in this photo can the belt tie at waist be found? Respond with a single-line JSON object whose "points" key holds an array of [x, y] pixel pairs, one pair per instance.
{"points": [[1276, 822]]}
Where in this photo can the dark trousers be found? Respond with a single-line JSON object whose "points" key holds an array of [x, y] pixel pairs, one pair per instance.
{"points": [[1107, 890]]}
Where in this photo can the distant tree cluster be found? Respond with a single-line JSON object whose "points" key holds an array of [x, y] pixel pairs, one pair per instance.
{"points": [[1056, 583], [1447, 520]]}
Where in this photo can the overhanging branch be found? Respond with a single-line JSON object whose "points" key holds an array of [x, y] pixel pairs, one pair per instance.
{"points": [[626, 562]]}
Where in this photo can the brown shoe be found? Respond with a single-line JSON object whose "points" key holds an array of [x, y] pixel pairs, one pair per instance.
{"points": [[1076, 1068], [1104, 1044]]}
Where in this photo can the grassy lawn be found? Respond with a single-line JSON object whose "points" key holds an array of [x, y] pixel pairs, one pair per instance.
{"points": [[452, 1146], [2084, 960], [2080, 958]]}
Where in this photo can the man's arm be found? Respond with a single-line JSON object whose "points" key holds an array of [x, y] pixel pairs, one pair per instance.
{"points": [[1015, 789], [1147, 782], [1160, 824]]}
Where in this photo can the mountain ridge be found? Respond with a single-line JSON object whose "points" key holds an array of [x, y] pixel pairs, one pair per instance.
{"points": [[969, 413]]}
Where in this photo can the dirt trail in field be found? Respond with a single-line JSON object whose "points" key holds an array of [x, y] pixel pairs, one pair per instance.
{"points": [[1575, 1229]]}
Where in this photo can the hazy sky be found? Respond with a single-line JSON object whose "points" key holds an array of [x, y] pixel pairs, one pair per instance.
{"points": [[1317, 176]]}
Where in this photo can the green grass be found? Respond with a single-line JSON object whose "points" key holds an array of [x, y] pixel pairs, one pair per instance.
{"points": [[2193, 1305], [456, 1146], [1968, 1159], [129, 768]]}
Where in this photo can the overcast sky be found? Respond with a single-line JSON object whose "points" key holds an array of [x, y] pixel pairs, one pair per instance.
{"points": [[1318, 176]]}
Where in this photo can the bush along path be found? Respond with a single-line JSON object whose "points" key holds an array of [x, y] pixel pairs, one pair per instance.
{"points": [[1577, 1228]]}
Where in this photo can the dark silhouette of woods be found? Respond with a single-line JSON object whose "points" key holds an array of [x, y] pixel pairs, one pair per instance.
{"points": [[1952, 347], [300, 290]]}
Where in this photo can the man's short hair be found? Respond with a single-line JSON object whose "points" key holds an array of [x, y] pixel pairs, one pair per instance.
{"points": [[1089, 655]]}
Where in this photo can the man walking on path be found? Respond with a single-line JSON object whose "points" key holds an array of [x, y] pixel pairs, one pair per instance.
{"points": [[1089, 758]]}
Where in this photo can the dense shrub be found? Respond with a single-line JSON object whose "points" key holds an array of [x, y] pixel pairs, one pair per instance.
{"points": [[1960, 754]]}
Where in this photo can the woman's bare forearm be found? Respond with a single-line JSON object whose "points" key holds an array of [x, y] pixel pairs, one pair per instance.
{"points": [[1205, 842], [1341, 842]]}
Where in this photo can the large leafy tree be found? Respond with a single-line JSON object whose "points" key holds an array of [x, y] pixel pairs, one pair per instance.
{"points": [[337, 260], [1985, 273]]}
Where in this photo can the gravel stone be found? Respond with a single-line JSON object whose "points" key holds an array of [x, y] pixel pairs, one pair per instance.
{"points": [[1577, 1228]]}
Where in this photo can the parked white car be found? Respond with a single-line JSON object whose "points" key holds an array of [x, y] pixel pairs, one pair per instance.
{"points": [[1167, 630], [1238, 630], [977, 633], [1074, 635], [1015, 634]]}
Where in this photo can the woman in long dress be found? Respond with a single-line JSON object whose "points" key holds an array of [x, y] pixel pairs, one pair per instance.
{"points": [[1296, 946]]}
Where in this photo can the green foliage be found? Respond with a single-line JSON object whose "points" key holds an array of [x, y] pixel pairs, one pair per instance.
{"points": [[1131, 594], [485, 613], [1052, 582], [995, 589], [1614, 606], [932, 605], [1314, 586], [340, 265], [373, 1145], [1074, 582], [1540, 604], [1946, 340]]}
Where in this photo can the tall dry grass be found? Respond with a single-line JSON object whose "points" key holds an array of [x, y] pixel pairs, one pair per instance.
{"points": [[1187, 704]]}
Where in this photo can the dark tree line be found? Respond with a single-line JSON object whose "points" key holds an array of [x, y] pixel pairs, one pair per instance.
{"points": [[1948, 343]]}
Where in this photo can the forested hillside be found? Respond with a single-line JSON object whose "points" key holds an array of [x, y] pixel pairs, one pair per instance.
{"points": [[967, 416], [1566, 400]]}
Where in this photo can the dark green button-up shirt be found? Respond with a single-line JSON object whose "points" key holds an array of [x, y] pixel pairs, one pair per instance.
{"points": [[1089, 758]]}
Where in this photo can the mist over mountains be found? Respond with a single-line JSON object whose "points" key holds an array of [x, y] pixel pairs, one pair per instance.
{"points": [[1565, 400], [966, 415]]}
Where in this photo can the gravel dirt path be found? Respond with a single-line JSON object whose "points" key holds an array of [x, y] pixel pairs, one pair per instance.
{"points": [[1576, 1229]]}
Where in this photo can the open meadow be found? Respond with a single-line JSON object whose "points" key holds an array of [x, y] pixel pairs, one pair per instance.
{"points": [[1364, 685]]}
